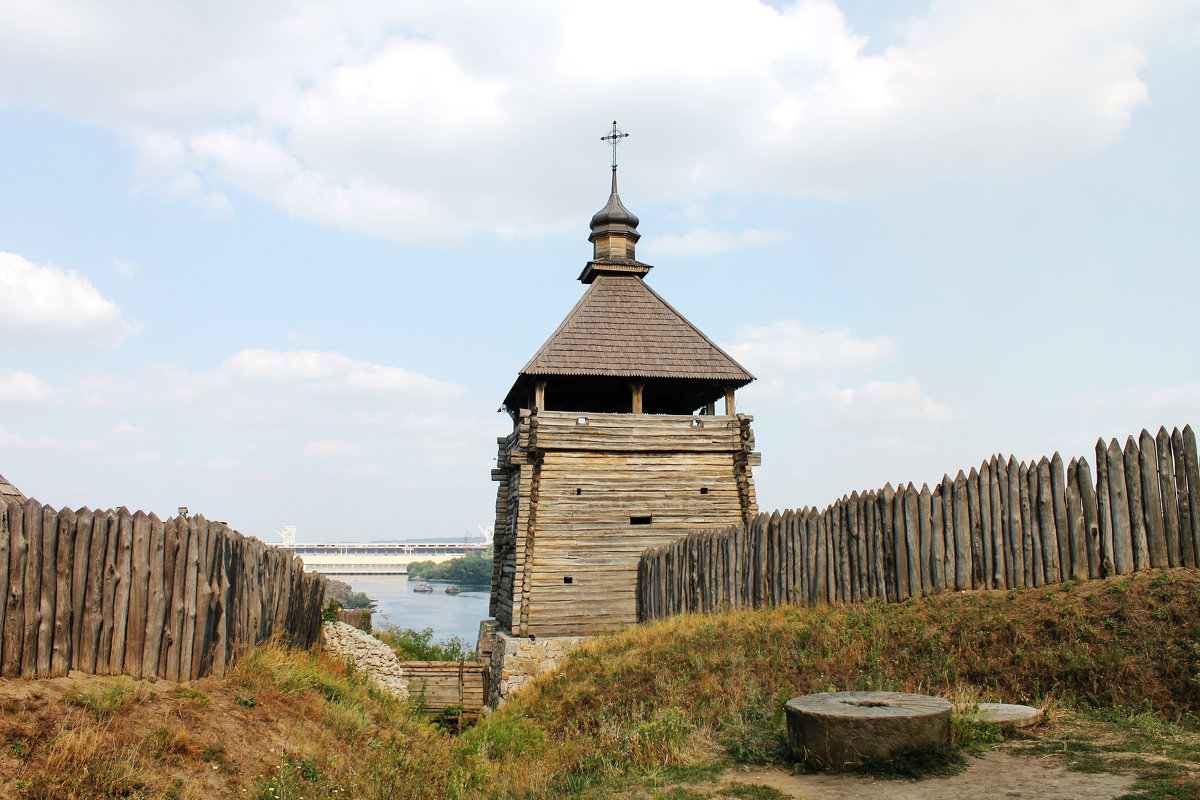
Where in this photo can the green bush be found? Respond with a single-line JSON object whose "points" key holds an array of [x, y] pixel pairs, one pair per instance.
{"points": [[413, 645]]}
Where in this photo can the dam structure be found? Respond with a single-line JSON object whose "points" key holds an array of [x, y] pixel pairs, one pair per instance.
{"points": [[376, 558]]}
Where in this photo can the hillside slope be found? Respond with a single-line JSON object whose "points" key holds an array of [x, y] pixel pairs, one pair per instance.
{"points": [[665, 700]]}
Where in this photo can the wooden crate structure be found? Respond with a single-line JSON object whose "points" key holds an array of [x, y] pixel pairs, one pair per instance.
{"points": [[616, 447]]}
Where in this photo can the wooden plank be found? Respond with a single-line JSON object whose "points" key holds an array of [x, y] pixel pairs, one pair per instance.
{"points": [[1152, 513], [962, 534], [904, 588], [1193, 481], [937, 541], [1058, 497], [1051, 571], [1000, 477], [60, 658], [811, 556], [1076, 532], [925, 539], [1182, 501], [1028, 533], [887, 527], [1091, 520], [1039, 566], [139, 585], [156, 600], [1014, 530], [912, 541], [170, 552], [853, 544], [45, 634], [975, 522], [1104, 511], [12, 645], [5, 544], [108, 581], [124, 580], [33, 588], [1179, 549], [84, 523], [838, 527], [1118, 504], [175, 620], [985, 525], [191, 613], [1137, 516], [999, 567]]}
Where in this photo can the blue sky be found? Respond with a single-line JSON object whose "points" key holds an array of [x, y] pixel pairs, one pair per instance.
{"points": [[280, 263]]}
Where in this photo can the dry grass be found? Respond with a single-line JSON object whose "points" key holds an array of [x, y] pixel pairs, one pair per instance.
{"points": [[646, 711]]}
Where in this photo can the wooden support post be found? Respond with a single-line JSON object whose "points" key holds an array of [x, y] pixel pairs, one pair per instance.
{"points": [[729, 406], [638, 387], [539, 396]]}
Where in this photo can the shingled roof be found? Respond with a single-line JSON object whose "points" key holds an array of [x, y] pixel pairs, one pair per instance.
{"points": [[622, 327], [9, 493]]}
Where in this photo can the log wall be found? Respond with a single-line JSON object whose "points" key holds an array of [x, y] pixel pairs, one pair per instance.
{"points": [[1003, 525], [114, 592], [582, 495]]}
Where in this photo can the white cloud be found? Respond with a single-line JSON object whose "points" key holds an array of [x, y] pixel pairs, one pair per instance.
{"points": [[789, 348], [315, 392], [707, 241], [883, 405], [126, 268], [48, 443], [125, 432], [18, 387], [331, 449], [420, 120], [43, 307]]}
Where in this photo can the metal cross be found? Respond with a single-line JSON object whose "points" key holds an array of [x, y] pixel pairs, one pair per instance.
{"points": [[613, 138]]}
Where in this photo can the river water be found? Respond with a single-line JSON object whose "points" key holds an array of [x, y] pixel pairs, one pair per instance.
{"points": [[449, 615]]}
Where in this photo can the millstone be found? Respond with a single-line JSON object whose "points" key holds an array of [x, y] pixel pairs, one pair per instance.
{"points": [[833, 729], [1001, 713]]}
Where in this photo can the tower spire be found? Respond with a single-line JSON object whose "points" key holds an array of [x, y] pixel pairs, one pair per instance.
{"points": [[614, 227]]}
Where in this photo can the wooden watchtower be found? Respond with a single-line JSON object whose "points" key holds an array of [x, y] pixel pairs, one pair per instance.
{"points": [[616, 446]]}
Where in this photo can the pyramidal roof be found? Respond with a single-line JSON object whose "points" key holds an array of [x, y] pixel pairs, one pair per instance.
{"points": [[10, 493], [622, 327]]}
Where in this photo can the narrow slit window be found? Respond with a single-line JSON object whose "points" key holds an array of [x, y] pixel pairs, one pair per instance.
{"points": [[567, 579], [581, 420], [703, 490], [641, 520], [578, 490]]}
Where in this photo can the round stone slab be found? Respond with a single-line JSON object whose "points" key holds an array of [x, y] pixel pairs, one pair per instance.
{"points": [[1008, 713], [833, 729]]}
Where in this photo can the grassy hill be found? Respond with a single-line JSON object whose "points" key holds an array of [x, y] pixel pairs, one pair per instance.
{"points": [[668, 702]]}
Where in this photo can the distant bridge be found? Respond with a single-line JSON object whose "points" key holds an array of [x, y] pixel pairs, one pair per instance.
{"points": [[375, 558]]}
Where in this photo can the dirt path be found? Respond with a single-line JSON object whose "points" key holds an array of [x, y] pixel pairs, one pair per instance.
{"points": [[993, 775]]}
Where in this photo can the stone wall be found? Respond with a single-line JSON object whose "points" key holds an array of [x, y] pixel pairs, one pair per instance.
{"points": [[516, 660], [368, 654]]}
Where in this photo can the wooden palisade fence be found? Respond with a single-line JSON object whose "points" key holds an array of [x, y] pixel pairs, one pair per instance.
{"points": [[110, 592], [1005, 525]]}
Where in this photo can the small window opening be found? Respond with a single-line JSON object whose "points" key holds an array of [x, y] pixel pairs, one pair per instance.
{"points": [[697, 423], [640, 520], [581, 420], [568, 579], [703, 490], [578, 490]]}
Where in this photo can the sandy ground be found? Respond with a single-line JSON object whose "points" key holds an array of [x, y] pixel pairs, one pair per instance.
{"points": [[993, 775]]}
